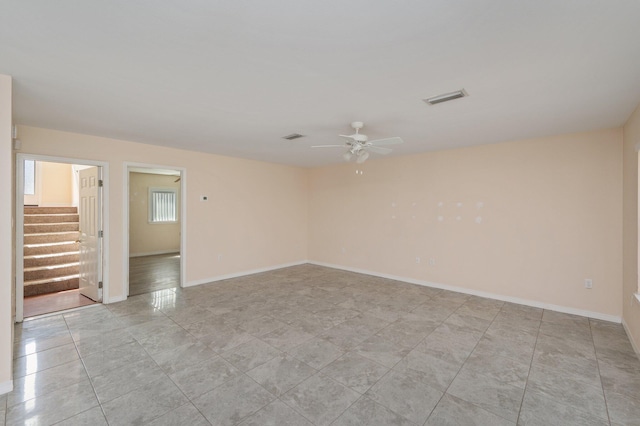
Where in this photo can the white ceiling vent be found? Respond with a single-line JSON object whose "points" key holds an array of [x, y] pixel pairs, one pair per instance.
{"points": [[446, 97], [293, 136]]}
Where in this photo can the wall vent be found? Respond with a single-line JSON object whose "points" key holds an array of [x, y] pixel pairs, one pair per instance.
{"points": [[446, 97], [293, 136]]}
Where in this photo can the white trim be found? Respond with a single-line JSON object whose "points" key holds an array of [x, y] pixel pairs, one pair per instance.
{"points": [[637, 296], [153, 253], [182, 215], [6, 387], [630, 336], [243, 273], [527, 302], [19, 231]]}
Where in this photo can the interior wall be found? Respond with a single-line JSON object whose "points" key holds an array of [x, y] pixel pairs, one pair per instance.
{"points": [[527, 220], [6, 237], [150, 238], [251, 205], [631, 305], [55, 184]]}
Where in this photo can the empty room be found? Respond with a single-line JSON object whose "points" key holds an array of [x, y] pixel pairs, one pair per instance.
{"points": [[319, 213]]}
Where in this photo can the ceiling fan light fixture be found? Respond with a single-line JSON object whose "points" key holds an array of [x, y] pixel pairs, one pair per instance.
{"points": [[347, 156], [362, 157], [445, 97]]}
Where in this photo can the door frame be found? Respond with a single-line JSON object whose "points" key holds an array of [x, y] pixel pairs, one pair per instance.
{"points": [[19, 229], [183, 218]]}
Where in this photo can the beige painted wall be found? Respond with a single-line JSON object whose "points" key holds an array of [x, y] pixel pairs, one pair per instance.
{"points": [[6, 237], [56, 184], [147, 238], [528, 220], [252, 204], [630, 304]]}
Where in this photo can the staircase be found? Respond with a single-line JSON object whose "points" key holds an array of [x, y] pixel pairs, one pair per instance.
{"points": [[51, 253]]}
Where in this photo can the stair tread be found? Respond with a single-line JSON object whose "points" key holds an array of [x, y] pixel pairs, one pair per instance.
{"points": [[49, 214], [56, 266], [49, 223], [48, 255], [53, 243], [50, 280]]}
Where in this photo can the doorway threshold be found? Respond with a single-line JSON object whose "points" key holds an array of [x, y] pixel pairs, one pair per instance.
{"points": [[54, 303]]}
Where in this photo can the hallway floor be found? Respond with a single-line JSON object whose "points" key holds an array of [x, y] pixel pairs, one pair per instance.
{"points": [[152, 273], [309, 345]]}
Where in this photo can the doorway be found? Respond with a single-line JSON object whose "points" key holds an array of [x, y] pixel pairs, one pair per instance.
{"points": [[59, 234], [155, 212]]}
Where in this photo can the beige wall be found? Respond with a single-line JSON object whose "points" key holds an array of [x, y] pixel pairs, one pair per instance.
{"points": [[55, 184], [630, 304], [256, 217], [6, 236], [146, 238], [528, 220]]}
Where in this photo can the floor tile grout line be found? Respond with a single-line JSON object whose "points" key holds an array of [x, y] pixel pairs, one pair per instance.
{"points": [[462, 366], [604, 394], [526, 384]]}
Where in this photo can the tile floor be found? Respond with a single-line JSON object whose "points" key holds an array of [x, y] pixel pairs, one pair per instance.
{"points": [[314, 346]]}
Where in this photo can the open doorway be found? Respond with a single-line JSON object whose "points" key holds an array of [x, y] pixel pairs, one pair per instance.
{"points": [[59, 235], [155, 229]]}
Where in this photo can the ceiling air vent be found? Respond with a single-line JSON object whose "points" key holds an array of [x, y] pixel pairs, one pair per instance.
{"points": [[293, 136], [446, 97]]}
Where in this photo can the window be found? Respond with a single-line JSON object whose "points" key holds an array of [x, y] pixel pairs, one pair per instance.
{"points": [[163, 205], [29, 177]]}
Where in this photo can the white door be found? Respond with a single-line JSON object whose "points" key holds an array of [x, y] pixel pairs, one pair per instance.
{"points": [[90, 211]]}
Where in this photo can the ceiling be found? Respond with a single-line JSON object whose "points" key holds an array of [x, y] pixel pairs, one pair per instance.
{"points": [[233, 77]]}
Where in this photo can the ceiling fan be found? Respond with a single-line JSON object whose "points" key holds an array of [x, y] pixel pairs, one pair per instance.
{"points": [[359, 146]]}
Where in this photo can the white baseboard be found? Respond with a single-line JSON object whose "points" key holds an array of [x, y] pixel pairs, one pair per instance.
{"points": [[153, 253], [527, 302], [630, 336], [243, 273], [6, 387]]}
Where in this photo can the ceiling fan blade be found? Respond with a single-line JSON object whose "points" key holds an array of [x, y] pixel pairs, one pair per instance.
{"points": [[347, 136], [387, 141], [379, 149], [328, 146]]}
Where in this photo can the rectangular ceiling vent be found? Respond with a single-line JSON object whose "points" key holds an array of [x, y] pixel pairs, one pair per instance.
{"points": [[293, 136], [446, 97]]}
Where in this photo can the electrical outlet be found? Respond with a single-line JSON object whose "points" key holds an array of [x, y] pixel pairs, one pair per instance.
{"points": [[219, 257], [588, 283], [418, 259], [432, 262]]}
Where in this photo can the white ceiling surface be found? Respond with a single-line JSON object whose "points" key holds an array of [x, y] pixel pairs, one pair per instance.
{"points": [[233, 77]]}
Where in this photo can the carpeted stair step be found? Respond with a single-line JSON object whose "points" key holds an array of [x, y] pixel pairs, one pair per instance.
{"points": [[50, 210], [36, 287], [51, 271], [51, 259], [51, 254], [49, 248], [50, 218], [39, 228], [50, 237]]}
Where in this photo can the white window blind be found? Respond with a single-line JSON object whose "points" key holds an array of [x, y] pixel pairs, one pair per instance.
{"points": [[163, 205]]}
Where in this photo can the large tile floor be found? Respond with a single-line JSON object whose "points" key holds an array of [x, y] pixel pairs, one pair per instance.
{"points": [[315, 346]]}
